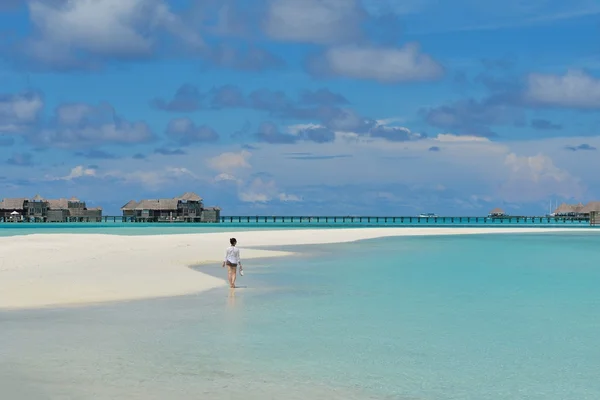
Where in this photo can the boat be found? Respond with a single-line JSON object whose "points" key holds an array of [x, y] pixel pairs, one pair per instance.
{"points": [[428, 215]]}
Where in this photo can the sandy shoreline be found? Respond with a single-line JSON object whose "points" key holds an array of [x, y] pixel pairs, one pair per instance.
{"points": [[46, 270]]}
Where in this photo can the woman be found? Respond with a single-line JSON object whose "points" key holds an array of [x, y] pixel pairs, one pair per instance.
{"points": [[232, 259]]}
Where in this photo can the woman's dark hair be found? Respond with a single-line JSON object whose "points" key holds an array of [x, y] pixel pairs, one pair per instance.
{"points": [[232, 241]]}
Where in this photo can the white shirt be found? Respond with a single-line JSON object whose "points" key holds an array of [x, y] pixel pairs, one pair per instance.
{"points": [[233, 255]]}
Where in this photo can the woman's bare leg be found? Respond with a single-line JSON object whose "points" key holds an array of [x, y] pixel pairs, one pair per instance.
{"points": [[233, 271]]}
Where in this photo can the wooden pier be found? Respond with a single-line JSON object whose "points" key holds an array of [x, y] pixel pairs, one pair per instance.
{"points": [[402, 220], [594, 220]]}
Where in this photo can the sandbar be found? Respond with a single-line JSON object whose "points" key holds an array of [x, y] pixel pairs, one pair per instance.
{"points": [[57, 270]]}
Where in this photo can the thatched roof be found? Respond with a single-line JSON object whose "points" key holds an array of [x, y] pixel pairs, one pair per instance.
{"points": [[189, 196], [158, 204], [591, 206], [565, 208], [130, 205], [58, 204], [13, 204], [497, 211]]}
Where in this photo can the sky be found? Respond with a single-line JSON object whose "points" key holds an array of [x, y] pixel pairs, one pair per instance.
{"points": [[303, 107]]}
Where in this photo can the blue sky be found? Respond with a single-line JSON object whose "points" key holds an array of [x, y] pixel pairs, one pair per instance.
{"points": [[377, 107]]}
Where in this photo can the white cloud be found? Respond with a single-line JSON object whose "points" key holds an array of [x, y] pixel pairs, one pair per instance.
{"points": [[296, 129], [449, 137], [113, 28], [466, 173], [76, 172], [288, 197], [19, 110], [82, 125], [313, 21], [153, 180], [230, 162], [392, 64], [227, 178], [150, 179], [535, 178], [575, 89], [261, 191]]}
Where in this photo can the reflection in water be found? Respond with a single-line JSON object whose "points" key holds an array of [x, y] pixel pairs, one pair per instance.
{"points": [[231, 298]]}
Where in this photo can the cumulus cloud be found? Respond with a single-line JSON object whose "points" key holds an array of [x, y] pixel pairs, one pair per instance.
{"points": [[474, 117], [185, 132], [263, 191], [449, 137], [269, 132], [230, 162], [394, 65], [18, 111], [81, 33], [80, 125], [327, 108], [395, 133], [151, 179], [77, 172], [575, 89], [535, 178], [227, 96], [314, 21], [412, 172], [155, 179], [187, 98]]}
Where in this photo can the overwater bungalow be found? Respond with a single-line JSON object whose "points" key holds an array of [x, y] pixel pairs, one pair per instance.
{"points": [[188, 207], [497, 213], [589, 208], [39, 209], [577, 210]]}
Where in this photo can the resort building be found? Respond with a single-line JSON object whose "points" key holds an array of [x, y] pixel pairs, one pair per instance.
{"points": [[578, 210], [39, 209], [188, 207], [497, 212]]}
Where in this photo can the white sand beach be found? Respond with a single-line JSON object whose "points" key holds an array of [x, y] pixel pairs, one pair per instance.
{"points": [[49, 270]]}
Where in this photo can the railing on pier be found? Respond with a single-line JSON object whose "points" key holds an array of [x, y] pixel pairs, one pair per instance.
{"points": [[593, 220], [362, 220]]}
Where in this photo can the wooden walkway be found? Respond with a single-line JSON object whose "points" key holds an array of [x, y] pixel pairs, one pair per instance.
{"points": [[339, 220], [403, 220]]}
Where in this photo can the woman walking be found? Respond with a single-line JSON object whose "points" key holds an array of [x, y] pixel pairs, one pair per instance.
{"points": [[232, 259]]}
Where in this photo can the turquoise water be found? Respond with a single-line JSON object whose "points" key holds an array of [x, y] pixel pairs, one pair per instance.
{"points": [[463, 317], [130, 228]]}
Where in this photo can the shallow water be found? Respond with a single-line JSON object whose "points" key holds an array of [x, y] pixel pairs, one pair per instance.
{"points": [[463, 317], [137, 229]]}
